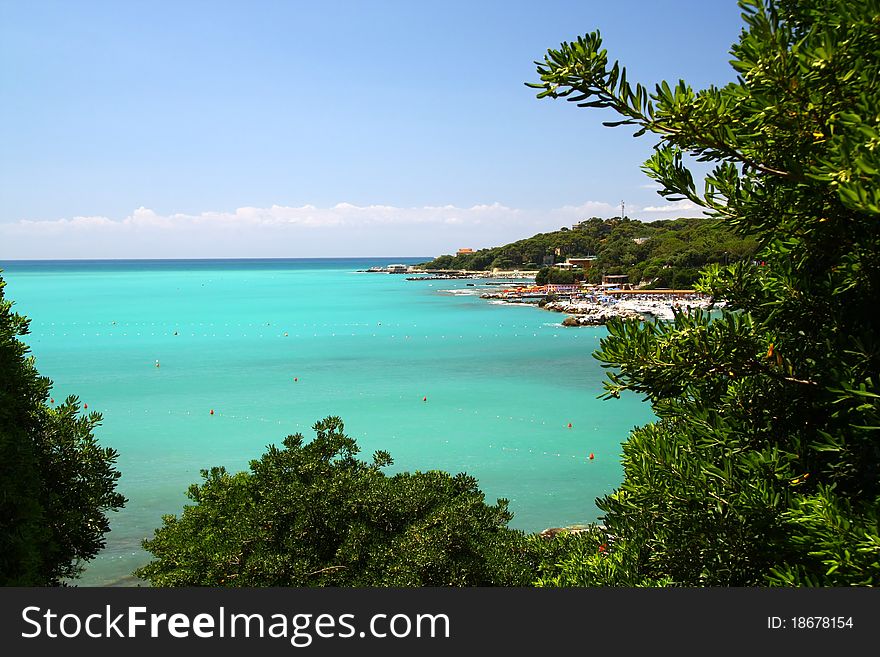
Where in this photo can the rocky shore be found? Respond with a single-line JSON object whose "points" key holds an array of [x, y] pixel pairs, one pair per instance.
{"points": [[584, 306], [593, 312]]}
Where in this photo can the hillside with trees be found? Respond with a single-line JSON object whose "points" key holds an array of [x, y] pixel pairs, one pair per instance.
{"points": [[667, 253]]}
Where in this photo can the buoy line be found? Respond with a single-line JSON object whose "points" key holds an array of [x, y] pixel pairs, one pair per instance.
{"points": [[214, 413]]}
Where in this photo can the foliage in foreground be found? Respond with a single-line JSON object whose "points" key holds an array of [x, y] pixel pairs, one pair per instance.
{"points": [[56, 483], [312, 514], [587, 557], [764, 465]]}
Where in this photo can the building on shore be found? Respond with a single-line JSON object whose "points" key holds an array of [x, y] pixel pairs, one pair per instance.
{"points": [[657, 292], [616, 281], [583, 263]]}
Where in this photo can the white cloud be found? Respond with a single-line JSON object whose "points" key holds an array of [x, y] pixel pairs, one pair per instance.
{"points": [[677, 206], [344, 229]]}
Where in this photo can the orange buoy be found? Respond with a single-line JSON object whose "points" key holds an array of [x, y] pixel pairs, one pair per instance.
{"points": [[569, 425], [51, 401], [591, 456], [296, 378], [85, 405], [424, 399], [212, 413]]}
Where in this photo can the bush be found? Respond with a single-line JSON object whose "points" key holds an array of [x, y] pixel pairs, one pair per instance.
{"points": [[311, 514]]}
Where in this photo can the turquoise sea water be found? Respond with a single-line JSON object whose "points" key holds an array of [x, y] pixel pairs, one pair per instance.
{"points": [[502, 382]]}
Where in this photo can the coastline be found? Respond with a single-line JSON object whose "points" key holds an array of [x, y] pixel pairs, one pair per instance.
{"points": [[585, 304], [590, 313], [415, 273], [595, 306]]}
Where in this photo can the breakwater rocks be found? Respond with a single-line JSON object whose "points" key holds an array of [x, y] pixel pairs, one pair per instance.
{"points": [[586, 313], [596, 309], [599, 318]]}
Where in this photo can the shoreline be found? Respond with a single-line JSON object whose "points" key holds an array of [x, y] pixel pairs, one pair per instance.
{"points": [[591, 308], [589, 305], [589, 313], [414, 273], [585, 306]]}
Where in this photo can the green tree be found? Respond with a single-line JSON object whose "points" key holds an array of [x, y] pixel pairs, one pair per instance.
{"points": [[685, 278], [57, 483], [557, 276], [312, 514], [442, 262], [763, 467]]}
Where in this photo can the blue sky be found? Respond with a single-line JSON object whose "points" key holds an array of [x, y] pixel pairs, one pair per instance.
{"points": [[306, 129]]}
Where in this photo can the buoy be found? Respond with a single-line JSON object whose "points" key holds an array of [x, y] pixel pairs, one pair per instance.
{"points": [[591, 456], [295, 379], [569, 425], [424, 399], [51, 400], [85, 405], [157, 363], [212, 413]]}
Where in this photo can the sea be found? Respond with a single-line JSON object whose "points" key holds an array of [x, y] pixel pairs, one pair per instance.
{"points": [[426, 370]]}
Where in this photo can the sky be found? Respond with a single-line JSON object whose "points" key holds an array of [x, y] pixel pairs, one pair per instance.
{"points": [[200, 129]]}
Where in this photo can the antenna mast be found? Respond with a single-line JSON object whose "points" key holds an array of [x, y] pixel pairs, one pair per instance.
{"points": [[622, 209]]}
